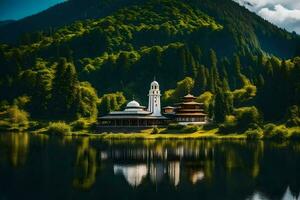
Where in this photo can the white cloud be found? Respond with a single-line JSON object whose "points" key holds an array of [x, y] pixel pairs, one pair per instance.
{"points": [[283, 13]]}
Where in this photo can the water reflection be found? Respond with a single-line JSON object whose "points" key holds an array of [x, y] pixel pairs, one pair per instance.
{"points": [[133, 174], [14, 148], [88, 168], [85, 166], [286, 196]]}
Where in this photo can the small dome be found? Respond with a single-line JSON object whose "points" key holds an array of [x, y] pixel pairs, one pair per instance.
{"points": [[133, 104], [155, 83]]}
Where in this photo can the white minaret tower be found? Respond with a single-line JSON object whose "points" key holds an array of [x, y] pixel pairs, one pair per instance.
{"points": [[154, 99]]}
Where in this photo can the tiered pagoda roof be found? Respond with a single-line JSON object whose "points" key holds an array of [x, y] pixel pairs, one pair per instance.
{"points": [[189, 107]]}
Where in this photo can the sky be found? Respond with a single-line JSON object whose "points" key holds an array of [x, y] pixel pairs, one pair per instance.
{"points": [[17, 9], [283, 13]]}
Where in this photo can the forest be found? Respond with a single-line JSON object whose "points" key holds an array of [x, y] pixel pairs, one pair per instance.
{"points": [[244, 69]]}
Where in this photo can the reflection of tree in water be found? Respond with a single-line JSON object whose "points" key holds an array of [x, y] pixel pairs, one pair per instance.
{"points": [[279, 170], [86, 166], [14, 148]]}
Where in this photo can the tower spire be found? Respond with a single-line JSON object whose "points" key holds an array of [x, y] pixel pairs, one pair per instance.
{"points": [[154, 99]]}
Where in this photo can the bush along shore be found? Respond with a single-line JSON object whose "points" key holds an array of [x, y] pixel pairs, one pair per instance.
{"points": [[83, 127], [244, 123]]}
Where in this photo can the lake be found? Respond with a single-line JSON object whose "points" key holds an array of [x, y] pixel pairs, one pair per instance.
{"points": [[42, 167]]}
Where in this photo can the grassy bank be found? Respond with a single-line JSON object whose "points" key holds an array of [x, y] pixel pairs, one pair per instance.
{"points": [[147, 135], [85, 128]]}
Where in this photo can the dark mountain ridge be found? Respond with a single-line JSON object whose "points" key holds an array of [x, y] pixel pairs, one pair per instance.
{"points": [[256, 32], [6, 22], [59, 15]]}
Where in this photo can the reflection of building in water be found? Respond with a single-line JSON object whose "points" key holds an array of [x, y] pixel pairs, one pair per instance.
{"points": [[162, 161], [174, 172], [288, 195], [133, 174], [196, 176], [257, 196], [156, 172]]}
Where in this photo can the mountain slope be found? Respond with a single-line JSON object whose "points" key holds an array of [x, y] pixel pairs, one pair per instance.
{"points": [[248, 31], [119, 45], [60, 15], [6, 22]]}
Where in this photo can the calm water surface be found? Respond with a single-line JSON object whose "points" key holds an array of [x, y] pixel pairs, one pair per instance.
{"points": [[41, 167]]}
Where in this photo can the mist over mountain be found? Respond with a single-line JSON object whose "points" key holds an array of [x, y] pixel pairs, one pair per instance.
{"points": [[283, 13]]}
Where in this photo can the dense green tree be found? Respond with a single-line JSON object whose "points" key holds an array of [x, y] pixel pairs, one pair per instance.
{"points": [[64, 90], [200, 81], [214, 75], [111, 102], [247, 117], [183, 88], [219, 104], [293, 116], [87, 101]]}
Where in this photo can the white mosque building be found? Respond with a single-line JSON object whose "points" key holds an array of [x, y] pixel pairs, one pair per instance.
{"points": [[136, 115], [187, 112]]}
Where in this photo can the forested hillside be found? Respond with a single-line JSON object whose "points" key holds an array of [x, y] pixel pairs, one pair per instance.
{"points": [[219, 51]]}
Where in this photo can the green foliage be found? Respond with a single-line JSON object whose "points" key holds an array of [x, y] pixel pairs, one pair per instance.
{"points": [[64, 90], [222, 105], [254, 134], [79, 124], [277, 133], [21, 102], [17, 116], [111, 102], [183, 88], [207, 99], [247, 117], [58, 128], [87, 101], [229, 126], [155, 130], [190, 129], [246, 93], [295, 135], [14, 118], [242, 119], [293, 116], [175, 127], [178, 128]]}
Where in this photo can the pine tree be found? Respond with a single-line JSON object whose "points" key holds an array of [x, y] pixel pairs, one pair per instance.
{"points": [[214, 75], [219, 104], [64, 90], [200, 81]]}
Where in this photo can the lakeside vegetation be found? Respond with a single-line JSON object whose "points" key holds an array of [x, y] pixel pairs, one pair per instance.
{"points": [[174, 131]]}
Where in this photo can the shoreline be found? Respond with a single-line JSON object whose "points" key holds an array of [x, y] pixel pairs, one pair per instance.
{"points": [[146, 135], [163, 133]]}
